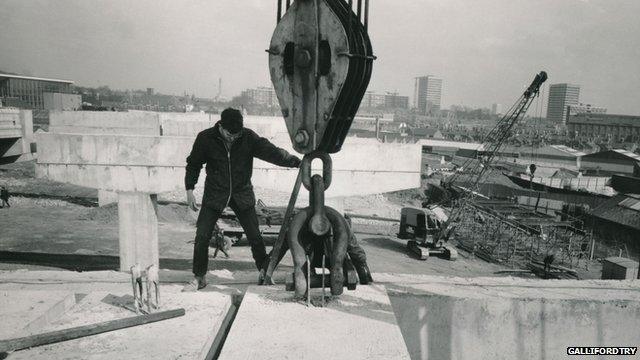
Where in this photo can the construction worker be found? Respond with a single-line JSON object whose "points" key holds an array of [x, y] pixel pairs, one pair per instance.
{"points": [[4, 196], [228, 150], [358, 256]]}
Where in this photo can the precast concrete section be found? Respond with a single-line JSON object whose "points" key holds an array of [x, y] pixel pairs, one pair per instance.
{"points": [[509, 318], [139, 154], [363, 167], [270, 324], [16, 135]]}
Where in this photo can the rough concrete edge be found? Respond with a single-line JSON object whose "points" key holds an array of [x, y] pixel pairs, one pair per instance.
{"points": [[215, 348]]}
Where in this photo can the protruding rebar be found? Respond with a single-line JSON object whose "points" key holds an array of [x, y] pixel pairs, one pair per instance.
{"points": [[366, 15], [279, 10]]}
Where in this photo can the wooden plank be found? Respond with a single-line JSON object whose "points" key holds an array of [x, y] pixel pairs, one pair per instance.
{"points": [[86, 330]]}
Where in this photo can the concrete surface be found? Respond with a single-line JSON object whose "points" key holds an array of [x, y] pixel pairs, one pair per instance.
{"points": [[138, 230], [508, 318], [186, 337], [156, 164], [24, 311], [16, 135], [107, 197], [103, 122], [271, 325]]}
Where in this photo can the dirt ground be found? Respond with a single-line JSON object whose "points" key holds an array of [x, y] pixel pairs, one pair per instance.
{"points": [[47, 227]]}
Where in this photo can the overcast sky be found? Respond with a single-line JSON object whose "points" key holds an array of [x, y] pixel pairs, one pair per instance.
{"points": [[486, 51]]}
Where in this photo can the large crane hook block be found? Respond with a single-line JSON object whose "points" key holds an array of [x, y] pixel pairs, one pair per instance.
{"points": [[320, 64]]}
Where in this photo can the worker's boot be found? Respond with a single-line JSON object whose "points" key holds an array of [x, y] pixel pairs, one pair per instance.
{"points": [[262, 276], [363, 274], [198, 282]]}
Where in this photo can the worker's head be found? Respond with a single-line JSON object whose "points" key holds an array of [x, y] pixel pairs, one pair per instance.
{"points": [[231, 121]]}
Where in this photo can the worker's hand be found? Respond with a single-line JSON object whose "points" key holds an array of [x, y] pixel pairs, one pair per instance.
{"points": [[191, 200], [295, 162]]}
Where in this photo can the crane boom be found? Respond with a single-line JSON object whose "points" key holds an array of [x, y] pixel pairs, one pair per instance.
{"points": [[491, 144]]}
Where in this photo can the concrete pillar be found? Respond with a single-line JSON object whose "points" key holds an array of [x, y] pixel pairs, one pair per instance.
{"points": [[106, 197], [138, 222]]}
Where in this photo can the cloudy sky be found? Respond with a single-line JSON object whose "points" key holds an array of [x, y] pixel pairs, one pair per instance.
{"points": [[485, 50]]}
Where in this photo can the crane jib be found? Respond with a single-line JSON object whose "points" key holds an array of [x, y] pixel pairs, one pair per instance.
{"points": [[490, 145]]}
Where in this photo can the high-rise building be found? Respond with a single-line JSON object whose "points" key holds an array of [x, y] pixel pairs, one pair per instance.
{"points": [[496, 109], [394, 101], [262, 95], [561, 96], [427, 94]]}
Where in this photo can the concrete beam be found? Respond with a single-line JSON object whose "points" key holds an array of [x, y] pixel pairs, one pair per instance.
{"points": [[104, 122], [510, 318], [138, 230], [359, 324], [156, 164], [113, 150]]}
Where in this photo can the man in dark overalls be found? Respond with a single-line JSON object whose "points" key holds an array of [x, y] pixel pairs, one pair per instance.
{"points": [[228, 150], [4, 196]]}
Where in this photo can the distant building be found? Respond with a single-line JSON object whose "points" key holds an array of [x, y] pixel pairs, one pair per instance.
{"points": [[28, 92], [450, 148], [550, 156], [427, 133], [395, 101], [262, 95], [496, 109], [619, 218], [372, 100], [427, 94], [584, 109], [604, 125], [616, 161], [560, 97]]}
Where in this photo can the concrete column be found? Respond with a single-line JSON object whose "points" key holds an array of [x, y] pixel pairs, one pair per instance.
{"points": [[106, 197], [138, 222]]}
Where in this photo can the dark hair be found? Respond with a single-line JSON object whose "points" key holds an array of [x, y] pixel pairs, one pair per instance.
{"points": [[231, 120]]}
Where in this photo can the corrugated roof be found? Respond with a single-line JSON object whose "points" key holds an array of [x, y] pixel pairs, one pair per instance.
{"points": [[613, 211], [630, 203], [34, 78], [451, 144], [627, 153], [569, 150]]}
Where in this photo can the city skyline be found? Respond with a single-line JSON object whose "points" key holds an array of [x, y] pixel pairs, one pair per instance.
{"points": [[176, 47]]}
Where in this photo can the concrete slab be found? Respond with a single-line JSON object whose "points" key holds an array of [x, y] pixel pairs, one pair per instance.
{"points": [[186, 337], [271, 325], [24, 311], [509, 318]]}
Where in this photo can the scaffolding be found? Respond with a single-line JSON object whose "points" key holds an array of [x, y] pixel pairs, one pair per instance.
{"points": [[514, 235]]}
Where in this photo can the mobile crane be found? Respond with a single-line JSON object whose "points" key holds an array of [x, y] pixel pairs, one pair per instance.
{"points": [[428, 234]]}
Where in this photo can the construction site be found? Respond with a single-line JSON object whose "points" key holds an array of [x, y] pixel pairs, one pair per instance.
{"points": [[466, 256]]}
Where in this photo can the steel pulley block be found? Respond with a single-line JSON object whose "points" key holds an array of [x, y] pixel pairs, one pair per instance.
{"points": [[320, 64]]}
